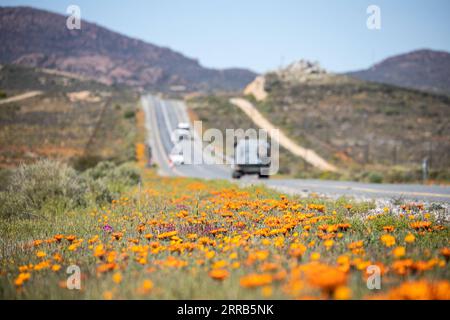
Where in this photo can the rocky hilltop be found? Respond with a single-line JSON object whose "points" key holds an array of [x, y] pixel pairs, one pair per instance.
{"points": [[301, 71]]}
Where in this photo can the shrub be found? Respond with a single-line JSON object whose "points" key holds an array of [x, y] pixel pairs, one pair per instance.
{"points": [[4, 178], [328, 175], [31, 187], [85, 162], [98, 192], [440, 175], [129, 114], [52, 185], [101, 170], [375, 177], [400, 175], [107, 177]]}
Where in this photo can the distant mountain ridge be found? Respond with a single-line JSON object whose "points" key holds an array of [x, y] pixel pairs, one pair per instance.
{"points": [[426, 70], [40, 38]]}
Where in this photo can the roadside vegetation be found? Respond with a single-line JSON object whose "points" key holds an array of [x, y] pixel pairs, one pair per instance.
{"points": [[392, 154], [134, 234], [77, 121], [50, 188], [182, 238], [374, 132]]}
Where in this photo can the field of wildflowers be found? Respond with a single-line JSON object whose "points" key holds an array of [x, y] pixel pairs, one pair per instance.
{"points": [[180, 238]]}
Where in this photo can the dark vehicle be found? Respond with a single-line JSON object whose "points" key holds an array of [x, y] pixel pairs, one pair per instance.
{"points": [[252, 156]]}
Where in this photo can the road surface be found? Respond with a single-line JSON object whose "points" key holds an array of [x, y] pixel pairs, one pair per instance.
{"points": [[162, 117]]}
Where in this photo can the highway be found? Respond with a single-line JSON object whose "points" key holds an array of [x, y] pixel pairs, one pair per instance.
{"points": [[163, 116]]}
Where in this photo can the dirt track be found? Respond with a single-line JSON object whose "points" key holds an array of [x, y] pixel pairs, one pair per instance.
{"points": [[22, 96], [308, 155]]}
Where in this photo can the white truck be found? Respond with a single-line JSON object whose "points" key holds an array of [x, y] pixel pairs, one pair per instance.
{"points": [[182, 132], [179, 136]]}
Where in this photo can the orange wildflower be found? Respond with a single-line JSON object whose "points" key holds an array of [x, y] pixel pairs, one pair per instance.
{"points": [[356, 245], [315, 256], [441, 290], [387, 240], [342, 293], [399, 252], [42, 265], [255, 280], [328, 244], [420, 225], [166, 235], [25, 268], [401, 267], [297, 250], [418, 290], [148, 236], [40, 254], [71, 238], [58, 237], [56, 267], [218, 274], [99, 251], [93, 239], [106, 267], [57, 257], [117, 235], [117, 277], [37, 243], [216, 231], [22, 278], [141, 228], [445, 252], [410, 238], [324, 277], [147, 286]]}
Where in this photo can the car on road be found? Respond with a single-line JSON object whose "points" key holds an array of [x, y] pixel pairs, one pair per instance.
{"points": [[176, 156], [176, 159], [251, 156]]}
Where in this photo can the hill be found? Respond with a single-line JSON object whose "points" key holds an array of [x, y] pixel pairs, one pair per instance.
{"points": [[39, 38], [73, 119], [426, 70], [369, 128]]}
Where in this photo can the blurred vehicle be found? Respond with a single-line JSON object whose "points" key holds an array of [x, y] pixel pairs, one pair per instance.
{"points": [[176, 159], [252, 156], [184, 126], [182, 132], [176, 156]]}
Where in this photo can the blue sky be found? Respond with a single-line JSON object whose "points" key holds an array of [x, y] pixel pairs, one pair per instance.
{"points": [[262, 34]]}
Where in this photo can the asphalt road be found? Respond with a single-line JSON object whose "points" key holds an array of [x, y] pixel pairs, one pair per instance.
{"points": [[163, 116]]}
